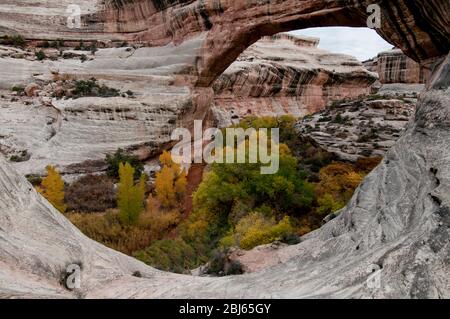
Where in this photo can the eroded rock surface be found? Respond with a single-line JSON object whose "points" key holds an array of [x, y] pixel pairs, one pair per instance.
{"points": [[397, 222], [364, 128], [395, 67], [286, 74], [75, 134]]}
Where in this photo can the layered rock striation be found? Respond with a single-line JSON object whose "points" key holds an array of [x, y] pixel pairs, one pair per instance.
{"points": [[397, 223], [395, 67], [365, 128], [76, 133], [286, 74], [227, 28]]}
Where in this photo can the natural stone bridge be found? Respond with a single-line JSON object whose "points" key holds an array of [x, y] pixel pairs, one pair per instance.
{"points": [[398, 219]]}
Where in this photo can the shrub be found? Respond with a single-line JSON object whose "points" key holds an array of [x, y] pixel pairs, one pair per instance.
{"points": [[35, 180], [373, 134], [202, 228], [114, 161], [15, 158], [22, 157], [339, 119], [52, 188], [58, 43], [256, 229], [40, 55], [291, 238], [14, 40], [327, 205], [19, 89], [338, 182], [159, 222], [91, 193], [93, 48], [85, 88], [108, 230], [45, 44], [325, 119], [170, 255], [376, 97], [92, 88], [367, 164], [80, 46], [221, 265]]}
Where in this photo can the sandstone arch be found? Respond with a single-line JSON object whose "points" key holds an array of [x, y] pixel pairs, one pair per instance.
{"points": [[398, 218], [227, 28]]}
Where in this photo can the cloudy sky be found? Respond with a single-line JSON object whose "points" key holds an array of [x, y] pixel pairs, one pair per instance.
{"points": [[362, 43]]}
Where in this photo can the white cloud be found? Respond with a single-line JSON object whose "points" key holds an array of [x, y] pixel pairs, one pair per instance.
{"points": [[362, 43]]}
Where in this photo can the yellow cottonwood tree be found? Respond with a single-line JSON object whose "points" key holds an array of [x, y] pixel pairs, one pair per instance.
{"points": [[130, 196], [170, 183], [52, 188], [338, 182]]}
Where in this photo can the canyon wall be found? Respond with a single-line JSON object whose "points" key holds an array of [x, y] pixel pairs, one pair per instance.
{"points": [[75, 134], [229, 27], [395, 67], [396, 225], [287, 74]]}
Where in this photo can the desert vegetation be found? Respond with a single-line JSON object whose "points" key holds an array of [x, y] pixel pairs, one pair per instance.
{"points": [[13, 40], [234, 205]]}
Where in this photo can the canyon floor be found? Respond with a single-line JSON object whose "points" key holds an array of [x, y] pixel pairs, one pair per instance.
{"points": [[158, 65]]}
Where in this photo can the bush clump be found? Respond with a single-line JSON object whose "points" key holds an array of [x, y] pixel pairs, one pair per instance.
{"points": [[169, 255], [221, 265], [40, 55], [14, 40], [256, 229], [35, 180], [92, 88], [19, 89], [91, 193], [22, 157], [107, 229], [120, 156]]}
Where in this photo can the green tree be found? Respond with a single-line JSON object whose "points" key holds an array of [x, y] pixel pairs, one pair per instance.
{"points": [[120, 156], [52, 188], [231, 188], [130, 197]]}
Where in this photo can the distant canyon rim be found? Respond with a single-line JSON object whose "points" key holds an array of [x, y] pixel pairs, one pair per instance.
{"points": [[398, 218]]}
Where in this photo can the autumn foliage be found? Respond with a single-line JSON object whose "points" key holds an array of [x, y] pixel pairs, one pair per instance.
{"points": [[91, 193], [130, 197], [52, 188], [234, 206], [170, 183], [338, 182]]}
